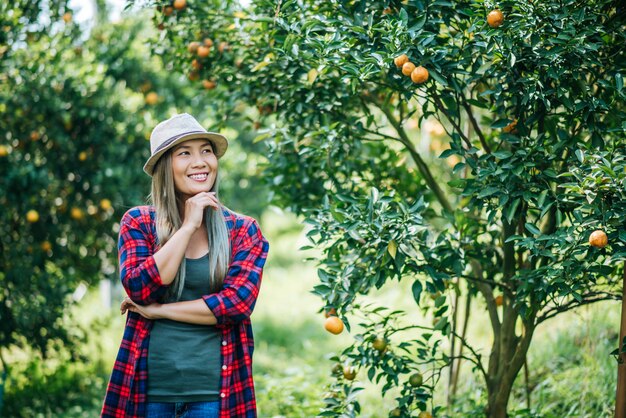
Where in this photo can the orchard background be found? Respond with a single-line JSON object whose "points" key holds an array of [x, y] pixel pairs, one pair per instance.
{"points": [[443, 206]]}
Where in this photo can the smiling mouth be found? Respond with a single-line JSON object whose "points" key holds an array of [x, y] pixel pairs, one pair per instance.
{"points": [[199, 177]]}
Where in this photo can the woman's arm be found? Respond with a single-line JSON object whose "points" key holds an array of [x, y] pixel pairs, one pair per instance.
{"points": [[235, 302], [170, 255], [146, 274], [191, 312]]}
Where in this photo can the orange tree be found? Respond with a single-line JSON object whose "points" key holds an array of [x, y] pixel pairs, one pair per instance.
{"points": [[530, 95]]}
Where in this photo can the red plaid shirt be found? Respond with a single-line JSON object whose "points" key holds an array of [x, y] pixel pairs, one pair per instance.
{"points": [[232, 306]]}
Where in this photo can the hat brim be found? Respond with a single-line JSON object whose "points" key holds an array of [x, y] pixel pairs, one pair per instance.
{"points": [[220, 145]]}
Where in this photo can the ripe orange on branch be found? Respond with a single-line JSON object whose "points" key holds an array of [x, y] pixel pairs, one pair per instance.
{"points": [[203, 51], [32, 216], [400, 60], [209, 84], [193, 47], [419, 75], [152, 98], [179, 4], [495, 18], [334, 325], [408, 68], [598, 239]]}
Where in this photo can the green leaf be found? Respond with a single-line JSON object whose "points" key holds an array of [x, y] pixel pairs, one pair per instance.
{"points": [[488, 192], [580, 155], [502, 154], [417, 290], [512, 209], [619, 82], [532, 229]]}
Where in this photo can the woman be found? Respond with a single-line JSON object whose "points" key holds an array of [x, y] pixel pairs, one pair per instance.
{"points": [[192, 271]]}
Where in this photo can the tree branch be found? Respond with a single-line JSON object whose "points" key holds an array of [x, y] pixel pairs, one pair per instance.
{"points": [[475, 360], [572, 304], [470, 114], [421, 165], [442, 109]]}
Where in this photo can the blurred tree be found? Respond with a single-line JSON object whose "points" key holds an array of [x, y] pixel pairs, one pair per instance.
{"points": [[76, 110], [530, 95]]}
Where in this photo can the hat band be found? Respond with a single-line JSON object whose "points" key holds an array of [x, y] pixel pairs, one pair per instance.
{"points": [[166, 143]]}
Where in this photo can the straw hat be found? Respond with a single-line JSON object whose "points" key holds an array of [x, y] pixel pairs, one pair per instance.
{"points": [[177, 129]]}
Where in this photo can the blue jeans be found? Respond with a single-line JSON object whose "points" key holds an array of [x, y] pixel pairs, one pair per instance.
{"points": [[183, 410]]}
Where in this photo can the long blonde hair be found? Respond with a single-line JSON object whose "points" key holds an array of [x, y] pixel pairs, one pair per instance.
{"points": [[168, 221]]}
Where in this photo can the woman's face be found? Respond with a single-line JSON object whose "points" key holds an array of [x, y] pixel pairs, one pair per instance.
{"points": [[194, 167]]}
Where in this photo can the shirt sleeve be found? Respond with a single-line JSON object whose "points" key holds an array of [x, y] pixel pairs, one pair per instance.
{"points": [[236, 300], [138, 270]]}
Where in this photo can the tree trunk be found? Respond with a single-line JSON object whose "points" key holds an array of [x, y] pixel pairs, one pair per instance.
{"points": [[620, 396]]}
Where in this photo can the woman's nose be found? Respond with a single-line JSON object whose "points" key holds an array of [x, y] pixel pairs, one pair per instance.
{"points": [[198, 161]]}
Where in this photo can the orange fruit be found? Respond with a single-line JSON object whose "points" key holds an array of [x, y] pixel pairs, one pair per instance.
{"points": [[82, 156], [223, 46], [510, 128], [4, 151], [203, 51], [598, 239], [168, 10], [46, 246], [400, 60], [193, 47], [208, 42], [419, 75], [495, 18], [196, 64], [349, 373], [407, 68], [387, 11], [337, 369], [67, 17], [499, 300], [34, 136], [152, 98], [179, 4], [193, 76], [32, 216], [379, 344], [105, 204], [209, 84], [334, 325], [77, 214], [416, 380]]}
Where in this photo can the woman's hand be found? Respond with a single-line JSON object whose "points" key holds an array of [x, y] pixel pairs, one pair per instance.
{"points": [[194, 208], [151, 311]]}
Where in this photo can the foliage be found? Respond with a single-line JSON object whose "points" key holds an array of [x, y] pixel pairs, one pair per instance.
{"points": [[533, 112]]}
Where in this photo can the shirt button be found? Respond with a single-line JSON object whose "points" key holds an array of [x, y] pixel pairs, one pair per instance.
{"points": [[224, 367], [223, 342], [223, 395]]}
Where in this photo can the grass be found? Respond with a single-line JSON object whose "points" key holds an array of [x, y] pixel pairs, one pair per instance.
{"points": [[571, 371]]}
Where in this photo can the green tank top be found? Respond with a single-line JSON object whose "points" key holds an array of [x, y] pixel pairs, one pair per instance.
{"points": [[184, 359]]}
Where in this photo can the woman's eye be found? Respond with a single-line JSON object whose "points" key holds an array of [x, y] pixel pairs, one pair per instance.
{"points": [[208, 150]]}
